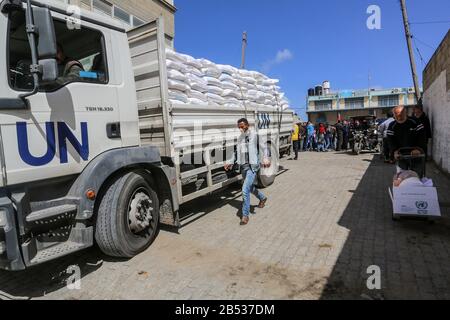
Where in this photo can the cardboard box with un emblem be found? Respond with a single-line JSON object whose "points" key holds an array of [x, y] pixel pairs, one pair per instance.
{"points": [[415, 202]]}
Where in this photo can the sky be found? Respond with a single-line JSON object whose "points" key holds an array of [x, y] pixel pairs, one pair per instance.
{"points": [[305, 42]]}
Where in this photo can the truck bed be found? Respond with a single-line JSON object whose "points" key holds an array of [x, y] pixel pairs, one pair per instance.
{"points": [[165, 124]]}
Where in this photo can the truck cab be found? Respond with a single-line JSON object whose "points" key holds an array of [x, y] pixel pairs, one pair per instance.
{"points": [[91, 147], [61, 144]]}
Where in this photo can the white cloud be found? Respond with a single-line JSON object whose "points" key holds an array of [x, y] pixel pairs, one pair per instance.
{"points": [[282, 56]]}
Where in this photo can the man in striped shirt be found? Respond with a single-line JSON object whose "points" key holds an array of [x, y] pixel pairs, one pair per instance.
{"points": [[405, 132]]}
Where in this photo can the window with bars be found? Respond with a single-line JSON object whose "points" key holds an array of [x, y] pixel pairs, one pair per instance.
{"points": [[324, 105], [354, 103], [388, 101]]}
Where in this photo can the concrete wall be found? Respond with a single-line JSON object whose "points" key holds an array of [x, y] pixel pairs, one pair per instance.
{"points": [[437, 102]]}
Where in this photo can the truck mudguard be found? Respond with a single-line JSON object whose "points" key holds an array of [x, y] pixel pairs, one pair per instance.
{"points": [[101, 168]]}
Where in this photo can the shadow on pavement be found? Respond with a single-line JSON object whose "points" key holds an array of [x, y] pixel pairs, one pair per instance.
{"points": [[38, 281], [413, 256]]}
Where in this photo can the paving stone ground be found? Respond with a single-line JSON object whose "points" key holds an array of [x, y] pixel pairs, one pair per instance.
{"points": [[327, 221]]}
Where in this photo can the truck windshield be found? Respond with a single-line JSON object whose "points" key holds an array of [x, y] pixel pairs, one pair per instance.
{"points": [[81, 56]]}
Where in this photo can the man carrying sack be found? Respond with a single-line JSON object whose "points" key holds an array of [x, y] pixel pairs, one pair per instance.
{"points": [[247, 157]]}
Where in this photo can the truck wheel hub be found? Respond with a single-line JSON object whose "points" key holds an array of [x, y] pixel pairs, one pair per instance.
{"points": [[140, 212]]}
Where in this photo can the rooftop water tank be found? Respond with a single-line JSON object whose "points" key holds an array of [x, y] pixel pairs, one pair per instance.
{"points": [[326, 87], [319, 90], [311, 92]]}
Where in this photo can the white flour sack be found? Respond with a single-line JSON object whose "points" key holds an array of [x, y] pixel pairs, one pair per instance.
{"points": [[233, 103], [226, 77], [215, 98], [229, 70], [178, 96], [177, 57], [176, 66], [203, 82], [176, 75], [212, 71], [195, 71], [197, 101], [215, 90], [177, 85], [230, 94], [229, 85], [211, 81], [197, 86], [194, 94]]}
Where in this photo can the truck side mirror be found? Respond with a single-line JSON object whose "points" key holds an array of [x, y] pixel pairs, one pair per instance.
{"points": [[47, 47]]}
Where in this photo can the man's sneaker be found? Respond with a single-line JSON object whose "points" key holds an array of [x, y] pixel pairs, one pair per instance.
{"points": [[262, 203], [244, 221]]}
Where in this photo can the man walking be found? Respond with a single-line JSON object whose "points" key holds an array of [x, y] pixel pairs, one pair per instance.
{"points": [[247, 157]]}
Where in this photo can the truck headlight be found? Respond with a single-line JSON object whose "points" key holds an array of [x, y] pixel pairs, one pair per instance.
{"points": [[3, 219]]}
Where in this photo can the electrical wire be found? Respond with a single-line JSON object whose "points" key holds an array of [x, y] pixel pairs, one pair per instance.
{"points": [[424, 43], [431, 22], [418, 51]]}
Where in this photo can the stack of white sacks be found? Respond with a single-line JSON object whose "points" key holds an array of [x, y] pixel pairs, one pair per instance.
{"points": [[202, 82]]}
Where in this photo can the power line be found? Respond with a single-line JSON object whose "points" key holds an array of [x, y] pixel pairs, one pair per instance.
{"points": [[431, 22], [418, 51], [424, 43]]}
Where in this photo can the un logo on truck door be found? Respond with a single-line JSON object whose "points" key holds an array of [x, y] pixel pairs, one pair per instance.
{"points": [[264, 121], [64, 135]]}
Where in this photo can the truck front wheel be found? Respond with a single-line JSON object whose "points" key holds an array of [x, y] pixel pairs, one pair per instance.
{"points": [[128, 216]]}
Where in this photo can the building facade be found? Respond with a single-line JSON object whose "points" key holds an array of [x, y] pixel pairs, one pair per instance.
{"points": [[132, 13], [436, 100], [331, 106]]}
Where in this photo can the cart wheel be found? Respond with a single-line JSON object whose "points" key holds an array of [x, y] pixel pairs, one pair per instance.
{"points": [[396, 219]]}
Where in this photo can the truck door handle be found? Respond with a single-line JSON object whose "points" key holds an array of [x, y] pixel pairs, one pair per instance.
{"points": [[113, 130]]}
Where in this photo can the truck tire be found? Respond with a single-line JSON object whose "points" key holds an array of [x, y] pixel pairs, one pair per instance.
{"points": [[267, 176], [128, 216]]}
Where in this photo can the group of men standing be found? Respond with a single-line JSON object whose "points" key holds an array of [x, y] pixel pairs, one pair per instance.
{"points": [[400, 132], [321, 138]]}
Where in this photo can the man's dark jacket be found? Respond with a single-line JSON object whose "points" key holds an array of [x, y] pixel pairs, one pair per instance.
{"points": [[425, 121], [409, 134]]}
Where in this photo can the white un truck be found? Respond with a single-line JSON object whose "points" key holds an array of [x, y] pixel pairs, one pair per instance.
{"points": [[103, 155]]}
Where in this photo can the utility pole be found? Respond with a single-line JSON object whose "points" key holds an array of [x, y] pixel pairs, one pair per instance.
{"points": [[369, 91], [410, 50], [244, 47]]}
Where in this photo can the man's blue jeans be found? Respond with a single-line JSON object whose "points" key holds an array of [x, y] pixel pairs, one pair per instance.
{"points": [[310, 142], [249, 188]]}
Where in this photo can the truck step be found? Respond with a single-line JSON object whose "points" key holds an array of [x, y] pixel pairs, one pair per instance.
{"points": [[52, 213], [57, 251]]}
